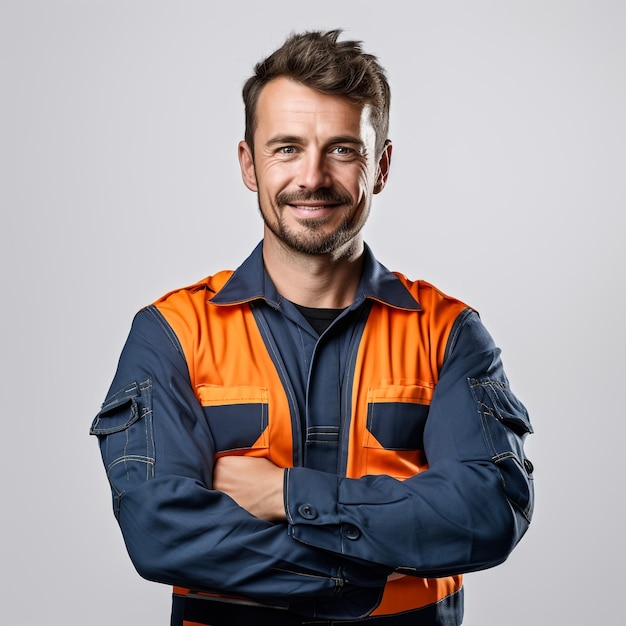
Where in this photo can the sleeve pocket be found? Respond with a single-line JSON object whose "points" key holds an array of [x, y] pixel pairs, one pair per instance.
{"points": [[505, 425], [125, 431]]}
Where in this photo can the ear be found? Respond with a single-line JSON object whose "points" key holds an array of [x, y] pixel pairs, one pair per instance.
{"points": [[383, 167], [246, 163]]}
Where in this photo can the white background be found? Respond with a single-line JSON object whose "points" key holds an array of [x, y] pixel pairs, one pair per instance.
{"points": [[119, 181]]}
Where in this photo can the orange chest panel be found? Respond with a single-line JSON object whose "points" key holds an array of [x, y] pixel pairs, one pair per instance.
{"points": [[232, 373], [396, 371]]}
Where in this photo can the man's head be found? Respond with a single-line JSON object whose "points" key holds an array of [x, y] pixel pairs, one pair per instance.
{"points": [[316, 147], [318, 60]]}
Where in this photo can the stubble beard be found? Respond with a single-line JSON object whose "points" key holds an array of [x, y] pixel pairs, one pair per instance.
{"points": [[312, 239]]}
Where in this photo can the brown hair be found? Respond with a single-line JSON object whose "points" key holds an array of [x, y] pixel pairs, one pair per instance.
{"points": [[316, 59]]}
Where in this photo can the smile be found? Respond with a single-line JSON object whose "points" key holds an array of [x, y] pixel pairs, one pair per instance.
{"points": [[314, 207], [308, 211]]}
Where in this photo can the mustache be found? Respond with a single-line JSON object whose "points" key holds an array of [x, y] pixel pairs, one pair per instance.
{"points": [[326, 195]]}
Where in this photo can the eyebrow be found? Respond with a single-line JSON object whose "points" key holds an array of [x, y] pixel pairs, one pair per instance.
{"points": [[289, 139], [284, 139]]}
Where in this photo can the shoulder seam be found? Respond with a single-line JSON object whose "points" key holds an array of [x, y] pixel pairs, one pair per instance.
{"points": [[457, 325], [167, 329]]}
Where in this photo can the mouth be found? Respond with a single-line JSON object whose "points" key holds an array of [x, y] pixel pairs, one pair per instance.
{"points": [[320, 204], [312, 210], [312, 206]]}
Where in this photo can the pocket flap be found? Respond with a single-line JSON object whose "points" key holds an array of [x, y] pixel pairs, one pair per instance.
{"points": [[119, 411], [496, 398], [216, 395]]}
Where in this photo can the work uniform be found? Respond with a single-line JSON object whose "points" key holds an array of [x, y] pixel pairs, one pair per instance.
{"points": [[401, 439]]}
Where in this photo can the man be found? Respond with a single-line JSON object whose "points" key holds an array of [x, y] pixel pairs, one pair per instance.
{"points": [[313, 438]]}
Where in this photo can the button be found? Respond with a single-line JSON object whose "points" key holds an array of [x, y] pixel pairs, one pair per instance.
{"points": [[528, 466], [351, 532], [307, 511]]}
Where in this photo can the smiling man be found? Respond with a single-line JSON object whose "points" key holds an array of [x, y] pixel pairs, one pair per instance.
{"points": [[313, 439]]}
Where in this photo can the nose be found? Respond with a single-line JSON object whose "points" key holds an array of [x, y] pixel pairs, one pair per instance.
{"points": [[313, 171]]}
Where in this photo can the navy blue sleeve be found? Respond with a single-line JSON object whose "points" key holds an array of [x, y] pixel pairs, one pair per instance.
{"points": [[467, 511], [158, 454]]}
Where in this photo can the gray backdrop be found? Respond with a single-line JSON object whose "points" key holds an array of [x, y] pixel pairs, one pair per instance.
{"points": [[119, 181]]}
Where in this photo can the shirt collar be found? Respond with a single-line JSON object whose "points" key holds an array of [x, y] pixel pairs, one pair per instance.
{"points": [[251, 282]]}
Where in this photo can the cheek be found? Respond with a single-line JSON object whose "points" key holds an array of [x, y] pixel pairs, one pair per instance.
{"points": [[272, 181], [365, 184], [267, 202]]}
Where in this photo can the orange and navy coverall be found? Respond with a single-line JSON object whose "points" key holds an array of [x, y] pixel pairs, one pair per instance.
{"points": [[401, 439]]}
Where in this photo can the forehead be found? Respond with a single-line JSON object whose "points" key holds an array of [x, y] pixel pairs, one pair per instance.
{"points": [[286, 105]]}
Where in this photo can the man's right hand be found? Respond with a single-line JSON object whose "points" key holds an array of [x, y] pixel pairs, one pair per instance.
{"points": [[255, 484]]}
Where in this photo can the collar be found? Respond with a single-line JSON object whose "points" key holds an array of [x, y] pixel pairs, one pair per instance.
{"points": [[251, 282]]}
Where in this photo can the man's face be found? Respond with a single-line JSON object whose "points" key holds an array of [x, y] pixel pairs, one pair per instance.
{"points": [[314, 167]]}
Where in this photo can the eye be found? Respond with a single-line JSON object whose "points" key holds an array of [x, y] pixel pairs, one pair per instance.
{"points": [[345, 152], [287, 150]]}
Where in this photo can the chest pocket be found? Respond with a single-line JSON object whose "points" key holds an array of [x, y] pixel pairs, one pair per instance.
{"points": [[393, 438], [237, 416]]}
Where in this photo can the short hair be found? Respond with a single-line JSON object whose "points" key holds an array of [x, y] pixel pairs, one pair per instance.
{"points": [[319, 61]]}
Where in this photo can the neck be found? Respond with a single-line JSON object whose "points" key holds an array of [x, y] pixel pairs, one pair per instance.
{"points": [[320, 281]]}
